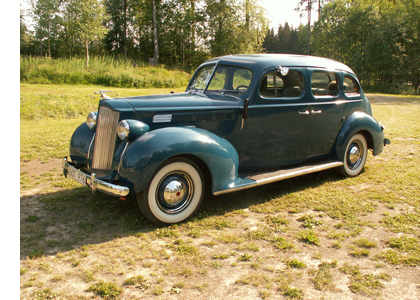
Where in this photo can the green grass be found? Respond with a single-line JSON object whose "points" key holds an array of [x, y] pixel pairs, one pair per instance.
{"points": [[106, 290], [322, 278], [295, 263], [40, 101], [104, 71]]}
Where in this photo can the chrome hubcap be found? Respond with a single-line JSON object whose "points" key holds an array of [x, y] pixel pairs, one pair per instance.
{"points": [[355, 154], [174, 192]]}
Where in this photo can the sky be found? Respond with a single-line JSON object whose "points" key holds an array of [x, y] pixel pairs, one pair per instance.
{"points": [[282, 11]]}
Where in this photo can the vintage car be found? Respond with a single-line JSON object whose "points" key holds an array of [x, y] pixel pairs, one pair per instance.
{"points": [[243, 121]]}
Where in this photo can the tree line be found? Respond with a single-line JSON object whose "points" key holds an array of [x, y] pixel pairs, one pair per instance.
{"points": [[379, 39], [172, 32]]}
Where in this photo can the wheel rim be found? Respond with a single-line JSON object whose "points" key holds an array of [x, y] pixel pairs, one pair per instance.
{"points": [[175, 192], [355, 154]]}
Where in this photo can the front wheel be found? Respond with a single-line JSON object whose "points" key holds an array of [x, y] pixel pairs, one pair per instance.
{"points": [[174, 193], [354, 157]]}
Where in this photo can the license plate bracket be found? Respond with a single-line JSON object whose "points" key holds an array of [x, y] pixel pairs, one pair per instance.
{"points": [[77, 175]]}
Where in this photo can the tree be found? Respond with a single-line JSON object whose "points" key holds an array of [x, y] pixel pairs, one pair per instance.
{"points": [[26, 37], [83, 19], [120, 24], [155, 35], [234, 26], [307, 6], [46, 14]]}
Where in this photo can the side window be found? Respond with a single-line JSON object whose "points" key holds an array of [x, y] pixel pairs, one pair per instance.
{"points": [[242, 78], [274, 85], [324, 83], [351, 87]]}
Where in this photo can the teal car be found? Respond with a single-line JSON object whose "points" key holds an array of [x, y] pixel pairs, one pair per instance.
{"points": [[243, 121]]}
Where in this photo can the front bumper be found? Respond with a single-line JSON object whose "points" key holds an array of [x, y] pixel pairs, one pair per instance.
{"points": [[94, 183]]}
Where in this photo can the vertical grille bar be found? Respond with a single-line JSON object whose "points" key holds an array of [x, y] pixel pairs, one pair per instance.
{"points": [[106, 133]]}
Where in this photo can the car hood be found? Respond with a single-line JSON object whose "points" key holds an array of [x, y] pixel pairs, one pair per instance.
{"points": [[174, 102]]}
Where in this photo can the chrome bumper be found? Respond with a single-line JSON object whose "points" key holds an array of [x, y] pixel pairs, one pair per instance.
{"points": [[96, 184]]}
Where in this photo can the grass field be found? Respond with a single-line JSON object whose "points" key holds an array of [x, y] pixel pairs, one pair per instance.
{"points": [[103, 70], [313, 237]]}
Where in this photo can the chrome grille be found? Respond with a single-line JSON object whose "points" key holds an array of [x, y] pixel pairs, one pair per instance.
{"points": [[106, 133]]}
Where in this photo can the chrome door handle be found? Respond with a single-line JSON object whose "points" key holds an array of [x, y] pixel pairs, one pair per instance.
{"points": [[304, 112], [316, 111]]}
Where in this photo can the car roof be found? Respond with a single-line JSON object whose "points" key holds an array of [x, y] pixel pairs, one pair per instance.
{"points": [[263, 61]]}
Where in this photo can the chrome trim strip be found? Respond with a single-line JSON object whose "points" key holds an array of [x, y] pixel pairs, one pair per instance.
{"points": [[99, 185], [162, 118], [303, 104], [90, 147], [121, 158], [286, 175]]}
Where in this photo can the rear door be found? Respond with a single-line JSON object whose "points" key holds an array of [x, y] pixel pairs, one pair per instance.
{"points": [[326, 111]]}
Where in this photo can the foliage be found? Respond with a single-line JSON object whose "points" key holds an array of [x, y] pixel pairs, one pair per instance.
{"points": [[47, 17], [286, 40], [83, 20], [188, 31], [376, 38]]}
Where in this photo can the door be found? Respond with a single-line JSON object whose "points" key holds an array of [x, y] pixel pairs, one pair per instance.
{"points": [[276, 129], [326, 111]]}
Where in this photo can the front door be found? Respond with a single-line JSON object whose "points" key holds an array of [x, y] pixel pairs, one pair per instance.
{"points": [[276, 130]]}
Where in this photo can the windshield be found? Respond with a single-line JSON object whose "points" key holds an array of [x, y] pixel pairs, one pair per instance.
{"points": [[201, 78], [226, 79]]}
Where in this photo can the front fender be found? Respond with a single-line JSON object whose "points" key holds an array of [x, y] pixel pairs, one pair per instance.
{"points": [[79, 145], [143, 157], [360, 122]]}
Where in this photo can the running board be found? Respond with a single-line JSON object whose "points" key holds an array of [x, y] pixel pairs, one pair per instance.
{"points": [[269, 177]]}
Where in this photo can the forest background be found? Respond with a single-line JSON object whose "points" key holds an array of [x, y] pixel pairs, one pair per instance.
{"points": [[378, 39]]}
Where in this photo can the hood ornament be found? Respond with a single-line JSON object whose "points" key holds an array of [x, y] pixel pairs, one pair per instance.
{"points": [[103, 95]]}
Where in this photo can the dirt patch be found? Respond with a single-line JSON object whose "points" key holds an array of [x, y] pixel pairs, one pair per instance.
{"points": [[37, 167]]}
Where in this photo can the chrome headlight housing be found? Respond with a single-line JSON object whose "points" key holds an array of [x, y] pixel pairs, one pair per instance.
{"points": [[91, 120], [131, 129], [123, 130]]}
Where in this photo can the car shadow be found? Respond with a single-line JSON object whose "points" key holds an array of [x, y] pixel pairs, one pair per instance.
{"points": [[61, 221]]}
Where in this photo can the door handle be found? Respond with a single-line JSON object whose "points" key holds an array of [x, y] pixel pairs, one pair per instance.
{"points": [[304, 112], [316, 111]]}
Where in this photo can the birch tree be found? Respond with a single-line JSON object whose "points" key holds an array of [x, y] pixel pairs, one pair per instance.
{"points": [[83, 19]]}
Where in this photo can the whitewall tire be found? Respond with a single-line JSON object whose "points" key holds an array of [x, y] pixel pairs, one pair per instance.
{"points": [[174, 193], [355, 156]]}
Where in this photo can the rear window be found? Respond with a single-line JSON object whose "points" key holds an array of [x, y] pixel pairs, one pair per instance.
{"points": [[351, 87], [324, 83]]}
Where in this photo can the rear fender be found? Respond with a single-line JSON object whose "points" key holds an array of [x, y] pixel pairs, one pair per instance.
{"points": [[143, 156], [367, 125]]}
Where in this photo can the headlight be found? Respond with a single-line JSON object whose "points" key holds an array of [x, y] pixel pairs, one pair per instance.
{"points": [[91, 120], [123, 130]]}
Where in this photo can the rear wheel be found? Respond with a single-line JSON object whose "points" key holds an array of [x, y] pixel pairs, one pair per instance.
{"points": [[174, 193], [354, 157]]}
